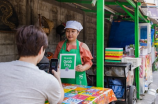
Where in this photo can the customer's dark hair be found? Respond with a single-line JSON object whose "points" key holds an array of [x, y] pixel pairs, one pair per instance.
{"points": [[30, 39]]}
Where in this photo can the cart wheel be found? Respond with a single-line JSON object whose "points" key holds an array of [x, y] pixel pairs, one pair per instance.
{"points": [[132, 95]]}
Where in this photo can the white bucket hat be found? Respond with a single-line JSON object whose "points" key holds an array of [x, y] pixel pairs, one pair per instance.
{"points": [[74, 25]]}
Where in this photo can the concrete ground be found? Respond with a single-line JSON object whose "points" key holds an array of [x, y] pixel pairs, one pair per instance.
{"points": [[151, 97]]}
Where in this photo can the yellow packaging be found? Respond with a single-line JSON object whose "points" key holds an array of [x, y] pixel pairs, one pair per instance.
{"points": [[109, 58]]}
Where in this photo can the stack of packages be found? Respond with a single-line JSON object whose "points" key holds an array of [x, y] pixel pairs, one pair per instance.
{"points": [[113, 54]]}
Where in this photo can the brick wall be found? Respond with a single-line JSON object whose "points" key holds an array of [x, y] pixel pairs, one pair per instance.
{"points": [[90, 33], [8, 49], [28, 10]]}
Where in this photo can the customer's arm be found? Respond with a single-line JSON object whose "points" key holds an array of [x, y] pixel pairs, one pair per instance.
{"points": [[62, 93], [57, 75]]}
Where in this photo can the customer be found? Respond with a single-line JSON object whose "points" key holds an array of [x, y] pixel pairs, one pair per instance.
{"points": [[21, 81]]}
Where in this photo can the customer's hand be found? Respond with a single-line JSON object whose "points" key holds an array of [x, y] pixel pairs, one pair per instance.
{"points": [[80, 68], [56, 74]]}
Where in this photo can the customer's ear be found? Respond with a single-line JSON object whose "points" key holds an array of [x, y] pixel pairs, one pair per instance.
{"points": [[41, 50]]}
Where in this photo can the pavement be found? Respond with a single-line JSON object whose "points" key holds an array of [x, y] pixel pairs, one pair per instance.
{"points": [[151, 96]]}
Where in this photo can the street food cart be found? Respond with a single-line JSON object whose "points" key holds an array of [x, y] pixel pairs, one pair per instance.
{"points": [[102, 11]]}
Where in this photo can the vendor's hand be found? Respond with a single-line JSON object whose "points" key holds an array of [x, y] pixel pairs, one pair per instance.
{"points": [[56, 74], [80, 68]]}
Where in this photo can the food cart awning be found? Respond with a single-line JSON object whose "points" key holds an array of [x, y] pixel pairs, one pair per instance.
{"points": [[123, 8]]}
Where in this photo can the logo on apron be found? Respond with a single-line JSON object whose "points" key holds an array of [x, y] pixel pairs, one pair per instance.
{"points": [[80, 78]]}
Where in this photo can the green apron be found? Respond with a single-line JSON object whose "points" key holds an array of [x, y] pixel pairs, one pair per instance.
{"points": [[80, 77]]}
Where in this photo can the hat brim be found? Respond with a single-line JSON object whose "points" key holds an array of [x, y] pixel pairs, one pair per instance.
{"points": [[71, 27]]}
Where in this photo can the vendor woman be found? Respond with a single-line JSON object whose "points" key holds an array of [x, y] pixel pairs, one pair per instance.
{"points": [[72, 46]]}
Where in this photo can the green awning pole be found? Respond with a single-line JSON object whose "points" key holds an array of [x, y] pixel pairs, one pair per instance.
{"points": [[100, 43], [137, 46]]}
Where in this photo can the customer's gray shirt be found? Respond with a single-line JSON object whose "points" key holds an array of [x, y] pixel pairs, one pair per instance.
{"points": [[24, 83]]}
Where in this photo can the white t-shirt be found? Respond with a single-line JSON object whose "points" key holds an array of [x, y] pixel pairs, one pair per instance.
{"points": [[24, 83]]}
